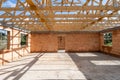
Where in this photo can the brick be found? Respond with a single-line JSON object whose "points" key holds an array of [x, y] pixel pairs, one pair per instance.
{"points": [[73, 42], [15, 50], [115, 49]]}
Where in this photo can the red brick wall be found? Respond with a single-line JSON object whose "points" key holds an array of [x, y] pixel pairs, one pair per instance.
{"points": [[15, 50], [115, 48], [82, 42], [73, 42], [44, 42]]}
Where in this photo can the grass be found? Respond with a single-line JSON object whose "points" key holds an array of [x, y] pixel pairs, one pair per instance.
{"points": [[3, 47], [108, 44]]}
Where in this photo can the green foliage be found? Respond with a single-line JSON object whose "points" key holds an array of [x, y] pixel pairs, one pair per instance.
{"points": [[23, 39], [3, 39], [108, 39]]}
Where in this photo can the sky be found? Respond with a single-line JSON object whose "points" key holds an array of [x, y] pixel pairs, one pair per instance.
{"points": [[3, 31], [9, 3], [12, 3]]}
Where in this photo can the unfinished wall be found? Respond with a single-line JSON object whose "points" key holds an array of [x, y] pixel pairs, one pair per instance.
{"points": [[82, 42], [44, 42], [15, 50], [115, 48]]}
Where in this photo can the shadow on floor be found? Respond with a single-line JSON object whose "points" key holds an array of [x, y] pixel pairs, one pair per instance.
{"points": [[18, 73], [14, 66], [97, 66]]}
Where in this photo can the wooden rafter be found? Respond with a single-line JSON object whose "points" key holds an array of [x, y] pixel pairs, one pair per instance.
{"points": [[44, 15]]}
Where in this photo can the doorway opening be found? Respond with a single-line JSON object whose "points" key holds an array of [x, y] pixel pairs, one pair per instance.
{"points": [[61, 44]]}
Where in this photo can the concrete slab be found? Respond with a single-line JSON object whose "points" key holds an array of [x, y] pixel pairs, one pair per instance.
{"points": [[63, 66]]}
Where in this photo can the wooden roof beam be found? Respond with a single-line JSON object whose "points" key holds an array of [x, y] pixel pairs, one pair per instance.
{"points": [[64, 8], [62, 16], [37, 11]]}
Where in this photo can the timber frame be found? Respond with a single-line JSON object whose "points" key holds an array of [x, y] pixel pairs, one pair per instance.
{"points": [[61, 15]]}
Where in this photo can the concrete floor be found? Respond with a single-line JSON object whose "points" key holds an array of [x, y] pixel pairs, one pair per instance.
{"points": [[63, 66]]}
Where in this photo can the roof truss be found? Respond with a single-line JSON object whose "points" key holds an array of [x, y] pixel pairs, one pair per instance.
{"points": [[60, 15]]}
